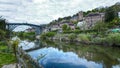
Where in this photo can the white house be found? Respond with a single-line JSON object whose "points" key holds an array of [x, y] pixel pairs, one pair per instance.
{"points": [[82, 25], [119, 14]]}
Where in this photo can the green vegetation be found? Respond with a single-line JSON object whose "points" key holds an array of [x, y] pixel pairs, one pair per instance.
{"points": [[26, 35], [47, 35], [114, 39], [72, 36], [100, 27], [84, 38], [110, 14], [6, 55], [111, 39], [64, 27], [2, 24], [3, 31]]}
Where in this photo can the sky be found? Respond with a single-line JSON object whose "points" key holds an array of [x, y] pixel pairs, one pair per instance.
{"points": [[44, 11]]}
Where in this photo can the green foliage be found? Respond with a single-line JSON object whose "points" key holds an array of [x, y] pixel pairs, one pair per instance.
{"points": [[47, 35], [100, 26], [2, 29], [2, 24], [77, 31], [115, 22], [72, 37], [43, 36], [84, 37], [113, 38], [2, 34], [26, 35], [5, 57], [75, 22], [110, 14], [64, 27], [50, 34], [99, 40]]}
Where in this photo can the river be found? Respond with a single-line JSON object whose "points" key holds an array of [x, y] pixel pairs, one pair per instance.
{"points": [[55, 54]]}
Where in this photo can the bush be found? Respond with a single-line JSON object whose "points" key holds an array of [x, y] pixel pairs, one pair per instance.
{"points": [[99, 40], [2, 34], [84, 37], [72, 37], [113, 38], [47, 35], [50, 34]]}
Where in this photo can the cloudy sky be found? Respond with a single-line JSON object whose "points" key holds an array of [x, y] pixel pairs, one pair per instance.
{"points": [[44, 11]]}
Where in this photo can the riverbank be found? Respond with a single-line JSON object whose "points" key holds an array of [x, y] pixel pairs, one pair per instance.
{"points": [[6, 55], [111, 39]]}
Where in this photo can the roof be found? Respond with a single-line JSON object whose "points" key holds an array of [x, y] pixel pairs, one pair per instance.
{"points": [[93, 14]]}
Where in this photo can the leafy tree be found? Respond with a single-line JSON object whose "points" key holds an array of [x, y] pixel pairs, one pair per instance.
{"points": [[68, 29], [2, 28], [2, 34], [100, 26], [2, 24], [64, 27], [110, 14]]}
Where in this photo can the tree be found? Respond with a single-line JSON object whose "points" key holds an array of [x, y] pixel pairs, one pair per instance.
{"points": [[2, 34], [110, 14], [2, 24], [100, 26], [64, 27]]}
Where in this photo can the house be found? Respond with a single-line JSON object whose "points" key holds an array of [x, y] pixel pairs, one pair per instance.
{"points": [[82, 25], [58, 26], [55, 27], [93, 18], [88, 21]]}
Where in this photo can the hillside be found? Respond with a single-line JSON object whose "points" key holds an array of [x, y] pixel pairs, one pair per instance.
{"points": [[115, 7]]}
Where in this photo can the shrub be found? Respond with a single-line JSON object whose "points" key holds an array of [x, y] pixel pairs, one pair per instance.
{"points": [[84, 37], [72, 37], [47, 35], [113, 38], [50, 34], [99, 40]]}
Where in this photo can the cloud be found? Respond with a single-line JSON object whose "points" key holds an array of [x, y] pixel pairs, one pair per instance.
{"points": [[44, 11]]}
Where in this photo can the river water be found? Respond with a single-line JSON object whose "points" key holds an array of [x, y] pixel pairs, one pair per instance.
{"points": [[54, 54]]}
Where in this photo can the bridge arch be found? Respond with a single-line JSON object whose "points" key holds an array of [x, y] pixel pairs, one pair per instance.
{"points": [[38, 28]]}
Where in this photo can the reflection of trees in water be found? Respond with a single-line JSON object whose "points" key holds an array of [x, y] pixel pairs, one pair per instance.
{"points": [[106, 55]]}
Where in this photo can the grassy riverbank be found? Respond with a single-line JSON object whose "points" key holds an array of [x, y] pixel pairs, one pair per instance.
{"points": [[111, 39], [6, 55]]}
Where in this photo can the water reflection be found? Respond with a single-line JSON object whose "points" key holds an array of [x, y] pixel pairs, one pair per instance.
{"points": [[26, 45], [58, 59], [72, 55]]}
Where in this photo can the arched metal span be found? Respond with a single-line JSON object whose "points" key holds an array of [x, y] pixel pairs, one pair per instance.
{"points": [[38, 28]]}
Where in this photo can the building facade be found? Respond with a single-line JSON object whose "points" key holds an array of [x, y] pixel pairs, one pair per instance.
{"points": [[92, 18]]}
